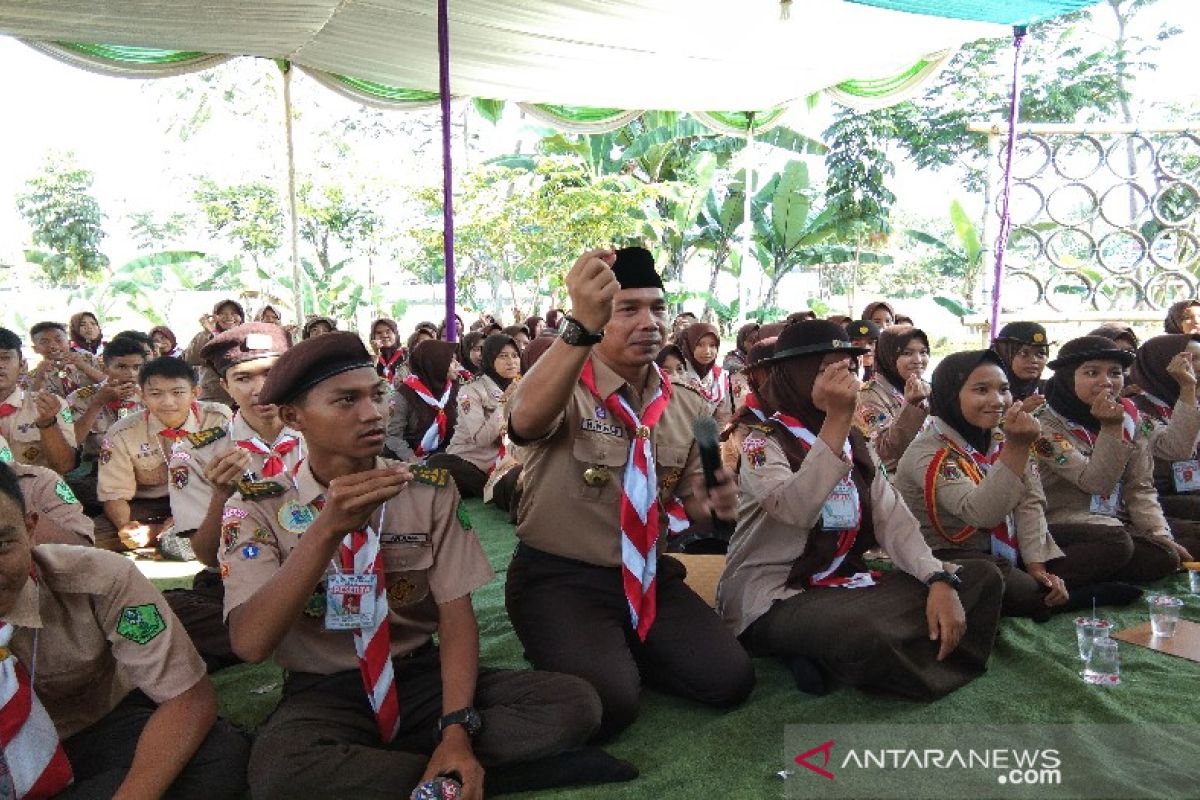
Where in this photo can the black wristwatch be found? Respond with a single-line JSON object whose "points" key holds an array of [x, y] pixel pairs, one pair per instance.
{"points": [[573, 333], [467, 717], [944, 577]]}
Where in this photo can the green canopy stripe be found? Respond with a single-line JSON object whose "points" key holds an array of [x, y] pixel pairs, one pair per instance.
{"points": [[867, 94], [128, 62], [1011, 12], [370, 93], [579, 119], [737, 123]]}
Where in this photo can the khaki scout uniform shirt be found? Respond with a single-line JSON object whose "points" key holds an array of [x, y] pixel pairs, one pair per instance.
{"points": [[560, 511], [48, 494], [887, 421], [99, 630], [190, 491], [79, 400], [1174, 440], [961, 503], [63, 382], [22, 433], [480, 424], [133, 457], [777, 509], [1073, 471], [428, 558]]}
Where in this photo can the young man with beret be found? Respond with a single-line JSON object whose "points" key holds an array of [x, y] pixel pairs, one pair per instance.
{"points": [[98, 660], [343, 573], [607, 442], [37, 425], [210, 466]]}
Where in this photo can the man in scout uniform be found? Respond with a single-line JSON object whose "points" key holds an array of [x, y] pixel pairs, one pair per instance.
{"points": [[62, 369], [588, 592], [134, 456], [60, 517], [209, 467], [37, 425], [113, 676], [343, 574]]}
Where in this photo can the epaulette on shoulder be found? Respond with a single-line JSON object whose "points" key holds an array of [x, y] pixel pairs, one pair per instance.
{"points": [[206, 437], [761, 427], [687, 385], [434, 476]]}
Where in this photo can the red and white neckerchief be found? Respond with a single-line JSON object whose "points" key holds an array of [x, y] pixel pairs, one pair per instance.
{"points": [[35, 762], [273, 465], [1161, 408], [677, 518], [847, 536], [433, 438], [360, 553], [173, 435], [639, 498], [975, 466], [1129, 425], [755, 406], [387, 367], [718, 386]]}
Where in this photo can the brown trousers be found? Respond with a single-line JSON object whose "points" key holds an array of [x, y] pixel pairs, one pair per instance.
{"points": [[469, 478], [1096, 553], [322, 741], [201, 609], [573, 617], [152, 513], [1183, 515], [878, 637]]}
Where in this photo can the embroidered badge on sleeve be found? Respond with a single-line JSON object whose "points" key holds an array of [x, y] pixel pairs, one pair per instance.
{"points": [[141, 624]]}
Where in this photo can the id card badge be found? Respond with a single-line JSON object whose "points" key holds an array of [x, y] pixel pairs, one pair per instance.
{"points": [[349, 601], [840, 511], [1107, 504], [1186, 475]]}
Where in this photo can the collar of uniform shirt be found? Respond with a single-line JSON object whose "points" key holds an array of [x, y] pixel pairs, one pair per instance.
{"points": [[608, 381], [26, 611]]}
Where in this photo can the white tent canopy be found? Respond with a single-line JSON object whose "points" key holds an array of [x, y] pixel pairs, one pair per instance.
{"points": [[687, 55]]}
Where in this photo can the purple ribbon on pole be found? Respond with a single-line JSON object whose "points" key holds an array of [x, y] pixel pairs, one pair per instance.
{"points": [[1014, 112], [443, 22]]}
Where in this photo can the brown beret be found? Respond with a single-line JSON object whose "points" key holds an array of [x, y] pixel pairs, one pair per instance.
{"points": [[248, 342], [312, 361]]}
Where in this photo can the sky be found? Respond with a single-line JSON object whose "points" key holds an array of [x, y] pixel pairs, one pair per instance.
{"points": [[119, 129]]}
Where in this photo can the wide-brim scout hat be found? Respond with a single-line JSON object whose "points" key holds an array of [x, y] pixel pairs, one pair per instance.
{"points": [[812, 337], [1024, 333], [862, 329], [1090, 348]]}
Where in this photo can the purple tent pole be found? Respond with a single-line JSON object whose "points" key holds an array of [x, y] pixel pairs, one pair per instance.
{"points": [[1014, 112], [443, 22]]}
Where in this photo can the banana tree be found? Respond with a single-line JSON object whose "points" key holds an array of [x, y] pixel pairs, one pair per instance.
{"points": [[963, 258], [140, 284], [721, 217]]}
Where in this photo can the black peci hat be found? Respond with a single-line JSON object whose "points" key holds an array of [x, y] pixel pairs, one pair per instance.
{"points": [[634, 269], [812, 337]]}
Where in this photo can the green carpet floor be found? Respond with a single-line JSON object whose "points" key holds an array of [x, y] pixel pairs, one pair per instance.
{"points": [[687, 751]]}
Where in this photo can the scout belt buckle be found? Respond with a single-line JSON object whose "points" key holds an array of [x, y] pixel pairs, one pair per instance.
{"points": [[595, 476]]}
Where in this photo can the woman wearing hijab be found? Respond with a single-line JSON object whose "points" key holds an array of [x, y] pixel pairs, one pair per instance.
{"points": [[975, 490], [735, 359], [812, 503], [478, 445], [1122, 334], [700, 344], [269, 313], [226, 314], [893, 405], [164, 342], [424, 405], [1165, 370], [1096, 465], [1183, 317], [881, 313], [86, 336], [318, 326], [753, 410], [1023, 348], [389, 355], [534, 326], [470, 354]]}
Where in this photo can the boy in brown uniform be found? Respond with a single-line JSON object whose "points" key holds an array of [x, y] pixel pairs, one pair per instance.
{"points": [[37, 425], [60, 517], [97, 408], [587, 591], [209, 467], [113, 669], [342, 572], [62, 370], [134, 456]]}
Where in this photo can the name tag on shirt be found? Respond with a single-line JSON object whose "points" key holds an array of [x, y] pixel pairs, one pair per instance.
{"points": [[349, 601], [840, 511], [1186, 475], [1107, 504]]}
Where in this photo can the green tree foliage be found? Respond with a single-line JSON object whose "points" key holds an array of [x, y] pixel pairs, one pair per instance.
{"points": [[326, 215], [66, 219], [961, 259], [248, 215]]}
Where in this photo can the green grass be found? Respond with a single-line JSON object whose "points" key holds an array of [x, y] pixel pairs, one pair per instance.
{"points": [[686, 751]]}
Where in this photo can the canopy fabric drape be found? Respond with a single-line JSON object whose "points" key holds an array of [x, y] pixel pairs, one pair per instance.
{"points": [[869, 94], [1010, 12], [129, 62]]}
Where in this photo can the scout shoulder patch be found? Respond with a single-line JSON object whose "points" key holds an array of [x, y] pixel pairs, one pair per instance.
{"points": [[464, 518], [1147, 425], [105, 451], [6, 454], [950, 471], [179, 476], [1043, 447], [257, 490], [434, 476], [66, 415], [205, 437], [140, 624], [64, 492], [754, 448]]}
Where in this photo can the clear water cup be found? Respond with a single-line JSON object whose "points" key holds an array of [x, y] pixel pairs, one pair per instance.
{"points": [[1087, 630], [1103, 663], [1164, 614]]}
